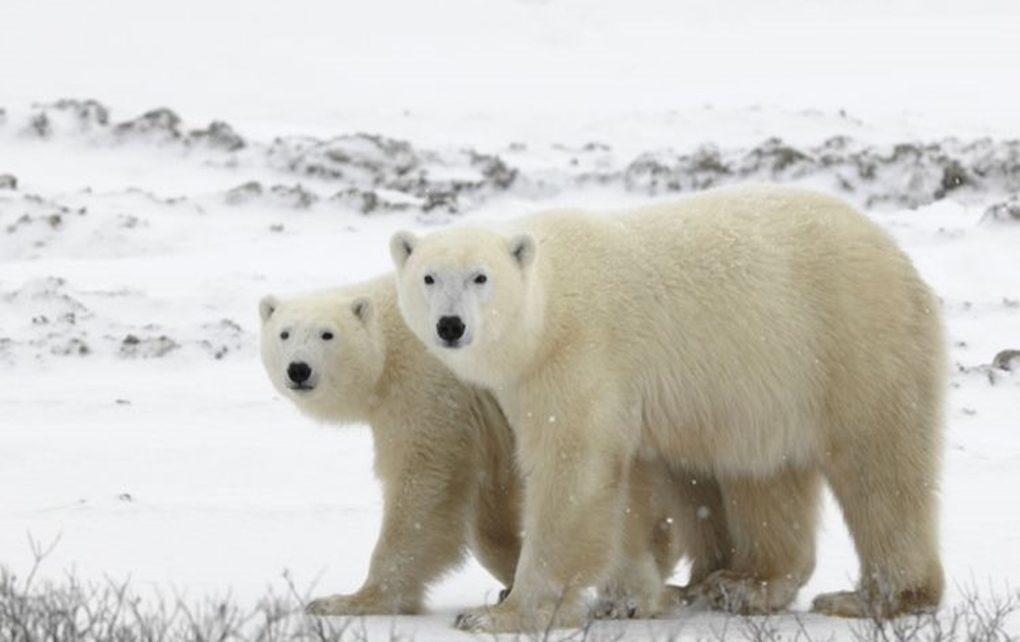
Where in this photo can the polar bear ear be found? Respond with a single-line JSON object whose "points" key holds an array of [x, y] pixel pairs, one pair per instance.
{"points": [[267, 306], [401, 246], [523, 248], [362, 308]]}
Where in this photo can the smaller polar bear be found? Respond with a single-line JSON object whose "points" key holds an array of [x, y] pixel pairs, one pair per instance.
{"points": [[766, 336], [445, 455]]}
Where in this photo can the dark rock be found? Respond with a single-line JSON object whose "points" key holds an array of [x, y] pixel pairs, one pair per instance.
{"points": [[648, 173], [147, 348], [245, 193], [40, 125], [368, 201], [219, 135], [953, 177], [78, 115], [446, 201], [364, 160], [1006, 211], [89, 113], [295, 196], [497, 173], [775, 157], [364, 201], [72, 347], [161, 122], [1007, 360]]}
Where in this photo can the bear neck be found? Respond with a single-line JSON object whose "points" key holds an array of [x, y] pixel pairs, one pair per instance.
{"points": [[403, 356]]}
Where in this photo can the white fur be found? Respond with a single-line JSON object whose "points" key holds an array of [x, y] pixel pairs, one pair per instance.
{"points": [[444, 454], [763, 335], [444, 451]]}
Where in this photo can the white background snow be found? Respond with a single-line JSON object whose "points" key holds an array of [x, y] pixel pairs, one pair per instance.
{"points": [[135, 421]]}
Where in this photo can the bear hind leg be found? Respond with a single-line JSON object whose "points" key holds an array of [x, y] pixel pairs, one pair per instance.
{"points": [[703, 532], [886, 489], [771, 523]]}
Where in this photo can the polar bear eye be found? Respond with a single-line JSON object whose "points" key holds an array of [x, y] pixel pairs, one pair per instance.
{"points": [[327, 336], [429, 280], [285, 335], [480, 279]]}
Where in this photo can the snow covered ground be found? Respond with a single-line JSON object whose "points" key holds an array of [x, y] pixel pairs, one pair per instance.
{"points": [[135, 239]]}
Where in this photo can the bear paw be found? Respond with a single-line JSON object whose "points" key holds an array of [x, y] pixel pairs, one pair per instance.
{"points": [[634, 604], [686, 595], [362, 603], [503, 618], [841, 604], [854, 604], [745, 595], [614, 609]]}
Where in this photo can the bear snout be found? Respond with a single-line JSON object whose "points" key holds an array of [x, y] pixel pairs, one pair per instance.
{"points": [[450, 329], [299, 372]]}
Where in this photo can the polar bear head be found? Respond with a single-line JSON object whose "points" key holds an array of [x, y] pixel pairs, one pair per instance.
{"points": [[467, 294], [324, 352]]}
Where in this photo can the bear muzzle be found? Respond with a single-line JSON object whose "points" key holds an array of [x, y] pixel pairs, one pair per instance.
{"points": [[450, 330], [299, 375]]}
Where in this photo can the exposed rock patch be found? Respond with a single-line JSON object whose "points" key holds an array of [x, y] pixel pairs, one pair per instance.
{"points": [[371, 173]]}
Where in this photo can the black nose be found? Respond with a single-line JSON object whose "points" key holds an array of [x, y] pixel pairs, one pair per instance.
{"points": [[450, 329], [299, 372]]}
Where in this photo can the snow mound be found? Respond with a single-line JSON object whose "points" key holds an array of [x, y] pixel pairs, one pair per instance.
{"points": [[1007, 211], [47, 317], [372, 173], [90, 225], [160, 125], [903, 175]]}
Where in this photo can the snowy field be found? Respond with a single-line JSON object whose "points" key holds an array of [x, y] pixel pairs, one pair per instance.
{"points": [[228, 155]]}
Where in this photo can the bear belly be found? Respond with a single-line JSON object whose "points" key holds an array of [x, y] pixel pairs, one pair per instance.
{"points": [[726, 435]]}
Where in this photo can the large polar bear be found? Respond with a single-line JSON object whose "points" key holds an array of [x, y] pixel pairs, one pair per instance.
{"points": [[765, 335], [445, 456]]}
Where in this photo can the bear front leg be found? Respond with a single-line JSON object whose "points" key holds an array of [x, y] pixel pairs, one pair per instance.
{"points": [[651, 546], [575, 465], [771, 523], [497, 536], [702, 530], [426, 502], [635, 589]]}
